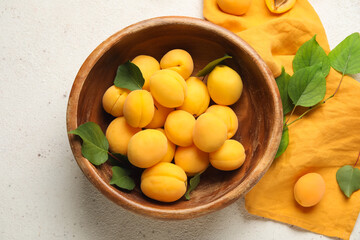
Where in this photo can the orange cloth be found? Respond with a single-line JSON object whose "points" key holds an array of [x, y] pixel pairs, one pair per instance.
{"points": [[324, 140]]}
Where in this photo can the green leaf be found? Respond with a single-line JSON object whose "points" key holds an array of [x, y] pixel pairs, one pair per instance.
{"points": [[121, 178], [193, 183], [129, 76], [95, 145], [282, 82], [119, 160], [348, 179], [307, 86], [208, 68], [345, 57], [310, 54], [284, 142]]}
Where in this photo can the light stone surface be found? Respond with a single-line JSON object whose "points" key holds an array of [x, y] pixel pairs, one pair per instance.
{"points": [[44, 194]]}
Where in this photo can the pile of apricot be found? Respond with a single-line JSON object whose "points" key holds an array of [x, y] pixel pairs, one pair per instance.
{"points": [[168, 128]]}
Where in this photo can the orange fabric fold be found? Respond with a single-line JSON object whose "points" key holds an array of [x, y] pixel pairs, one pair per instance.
{"points": [[323, 141]]}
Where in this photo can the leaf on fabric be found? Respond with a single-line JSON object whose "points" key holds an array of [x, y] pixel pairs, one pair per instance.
{"points": [[282, 82], [307, 86], [310, 54], [283, 143], [348, 179], [345, 57]]}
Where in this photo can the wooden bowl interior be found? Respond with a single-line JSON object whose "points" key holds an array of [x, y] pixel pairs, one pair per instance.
{"points": [[255, 109]]}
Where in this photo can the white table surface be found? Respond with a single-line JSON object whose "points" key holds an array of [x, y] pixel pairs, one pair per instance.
{"points": [[43, 193]]}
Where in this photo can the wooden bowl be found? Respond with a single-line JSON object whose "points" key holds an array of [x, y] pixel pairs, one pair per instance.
{"points": [[259, 109]]}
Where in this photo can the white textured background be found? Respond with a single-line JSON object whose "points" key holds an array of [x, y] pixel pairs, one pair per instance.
{"points": [[43, 193]]}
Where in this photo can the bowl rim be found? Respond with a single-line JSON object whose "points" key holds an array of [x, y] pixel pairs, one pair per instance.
{"points": [[111, 192]]}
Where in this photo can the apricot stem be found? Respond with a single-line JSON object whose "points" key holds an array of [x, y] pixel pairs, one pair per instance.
{"points": [[292, 112], [357, 159], [114, 156], [119, 160]]}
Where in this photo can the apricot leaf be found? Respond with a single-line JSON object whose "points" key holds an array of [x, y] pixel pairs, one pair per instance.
{"points": [[307, 86], [121, 178], [193, 183], [348, 179], [283, 143], [118, 159], [95, 145], [345, 57], [129, 76], [210, 66], [282, 82], [310, 54]]}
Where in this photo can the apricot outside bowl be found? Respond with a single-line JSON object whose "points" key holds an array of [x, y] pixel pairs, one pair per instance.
{"points": [[259, 109]]}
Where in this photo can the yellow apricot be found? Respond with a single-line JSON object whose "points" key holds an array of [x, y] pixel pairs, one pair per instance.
{"points": [[168, 88], [230, 156], [178, 60], [164, 182], [170, 150], [228, 116], [146, 148], [160, 116], [197, 97], [179, 127], [191, 159], [309, 189], [118, 134], [113, 100], [225, 85], [210, 132], [139, 108], [148, 66], [234, 7], [280, 6]]}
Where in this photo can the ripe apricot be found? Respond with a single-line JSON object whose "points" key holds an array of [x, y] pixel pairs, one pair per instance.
{"points": [[210, 132], [169, 156], [168, 88], [197, 97], [113, 100], [309, 189], [191, 159], [234, 7], [228, 116], [179, 127], [148, 66], [225, 85], [118, 133], [178, 60], [164, 182], [146, 148], [230, 156], [139, 108], [160, 116]]}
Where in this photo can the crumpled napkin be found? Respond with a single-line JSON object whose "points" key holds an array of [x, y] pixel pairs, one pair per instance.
{"points": [[322, 142]]}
